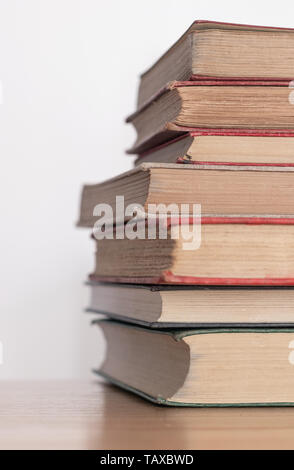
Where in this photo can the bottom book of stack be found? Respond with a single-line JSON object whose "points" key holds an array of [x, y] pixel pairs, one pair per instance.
{"points": [[201, 367]]}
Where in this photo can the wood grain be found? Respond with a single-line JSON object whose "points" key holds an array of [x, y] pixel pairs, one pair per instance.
{"points": [[94, 415]]}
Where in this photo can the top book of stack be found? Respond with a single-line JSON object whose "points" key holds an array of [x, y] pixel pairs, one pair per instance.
{"points": [[213, 50]]}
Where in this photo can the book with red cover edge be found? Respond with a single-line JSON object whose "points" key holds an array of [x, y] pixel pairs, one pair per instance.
{"points": [[196, 133], [199, 25], [167, 277], [207, 82], [177, 130], [244, 26], [209, 24]]}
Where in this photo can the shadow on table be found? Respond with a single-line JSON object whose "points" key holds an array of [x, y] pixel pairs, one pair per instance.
{"points": [[130, 422]]}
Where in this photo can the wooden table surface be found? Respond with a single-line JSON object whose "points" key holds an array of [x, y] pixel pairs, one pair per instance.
{"points": [[95, 415]]}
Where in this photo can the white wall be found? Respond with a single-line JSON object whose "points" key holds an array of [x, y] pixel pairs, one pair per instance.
{"points": [[69, 71]]}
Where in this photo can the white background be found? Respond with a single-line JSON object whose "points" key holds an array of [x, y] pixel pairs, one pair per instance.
{"points": [[69, 71]]}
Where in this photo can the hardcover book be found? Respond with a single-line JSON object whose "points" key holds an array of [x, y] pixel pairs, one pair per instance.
{"points": [[221, 190], [211, 49], [214, 367], [233, 251], [193, 306], [192, 105], [211, 148]]}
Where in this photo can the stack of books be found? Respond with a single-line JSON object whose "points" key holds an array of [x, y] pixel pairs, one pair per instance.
{"points": [[195, 245]]}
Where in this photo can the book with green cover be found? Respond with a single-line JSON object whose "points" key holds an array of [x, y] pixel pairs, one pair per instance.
{"points": [[201, 367]]}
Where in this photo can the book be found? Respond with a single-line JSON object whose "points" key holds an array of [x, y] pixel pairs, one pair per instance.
{"points": [[193, 306], [186, 106], [232, 251], [211, 49], [210, 148], [221, 190], [201, 367]]}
